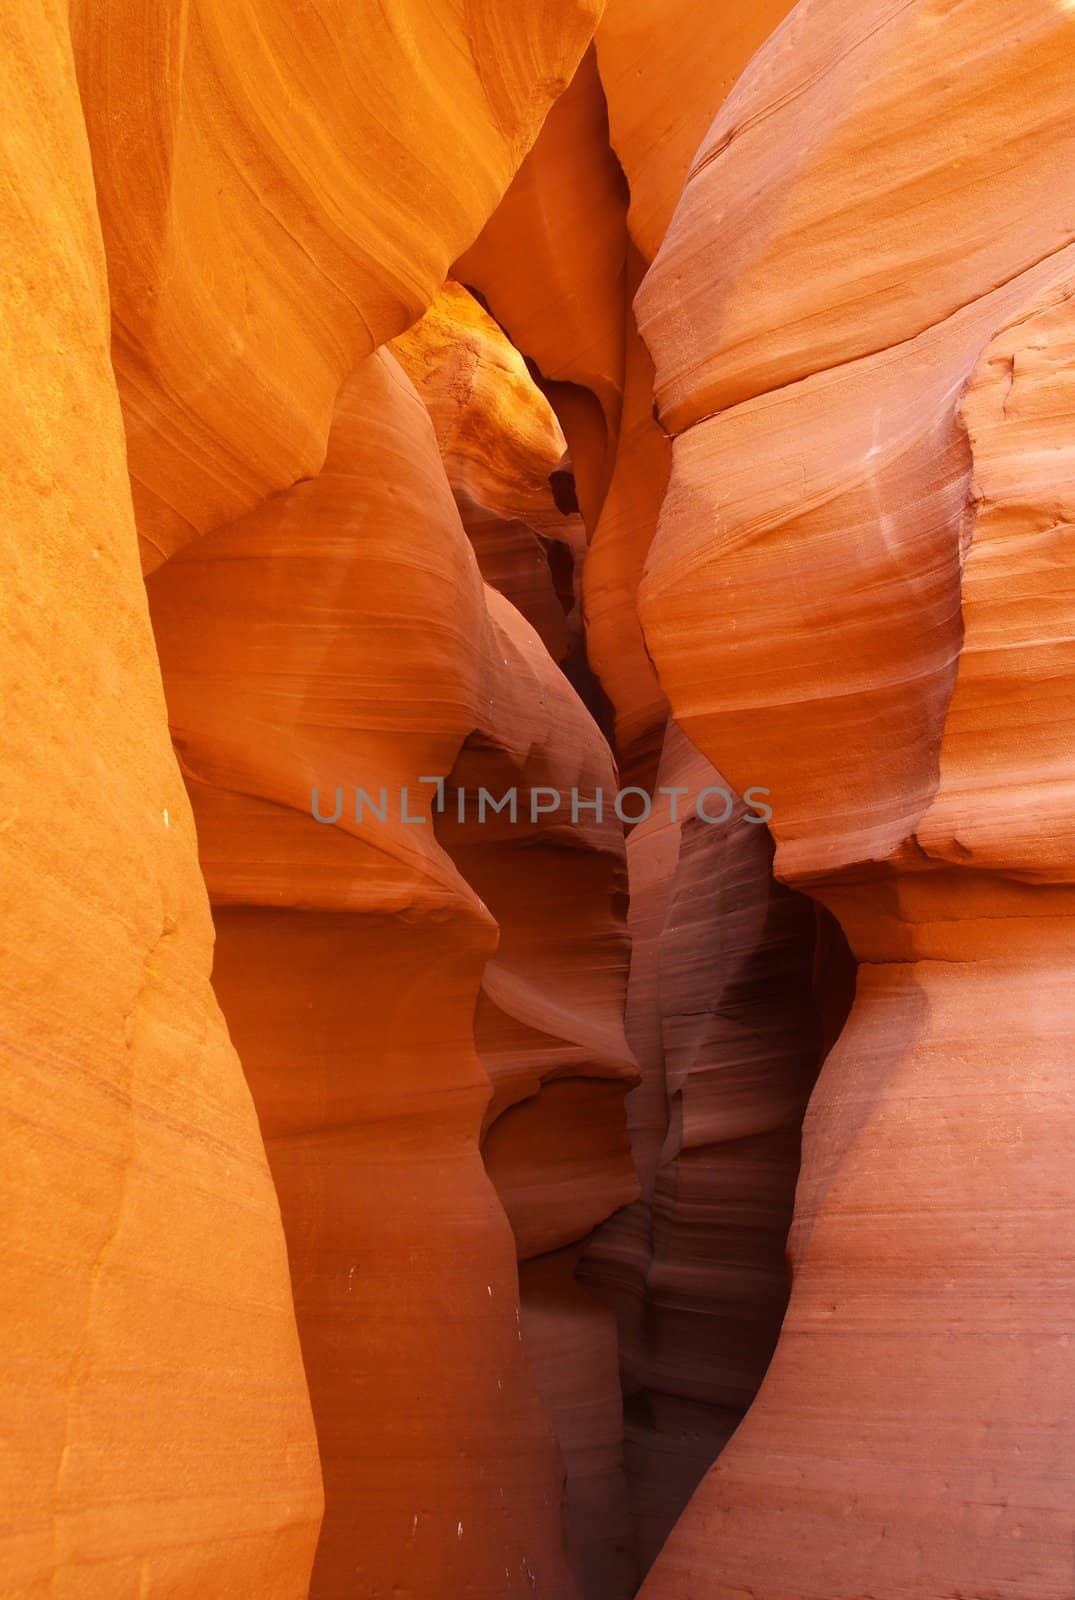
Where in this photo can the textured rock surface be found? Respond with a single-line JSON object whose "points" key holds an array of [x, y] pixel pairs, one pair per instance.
{"points": [[665, 69], [722, 1018], [502, 449], [316, 681], [572, 1347], [563, 307], [805, 326], [158, 1438], [549, 1032], [313, 680], [720, 1013], [887, 503], [255, 252], [614, 566], [855, 190]]}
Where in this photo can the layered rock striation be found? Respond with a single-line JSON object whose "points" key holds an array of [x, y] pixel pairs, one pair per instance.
{"points": [[505, 404], [871, 401]]}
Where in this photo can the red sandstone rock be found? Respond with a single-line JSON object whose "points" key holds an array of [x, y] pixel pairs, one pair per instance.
{"points": [[403, 1262], [722, 1017], [549, 1031], [304, 688], [860, 326], [571, 1345]]}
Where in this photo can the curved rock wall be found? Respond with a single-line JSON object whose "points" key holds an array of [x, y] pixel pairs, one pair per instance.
{"points": [[752, 382], [158, 1437], [872, 403], [256, 253], [400, 1278]]}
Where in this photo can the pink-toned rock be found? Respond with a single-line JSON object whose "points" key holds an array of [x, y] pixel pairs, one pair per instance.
{"points": [[722, 1017], [857, 188], [856, 596]]}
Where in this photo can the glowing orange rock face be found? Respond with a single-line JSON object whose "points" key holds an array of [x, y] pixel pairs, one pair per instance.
{"points": [[158, 1431], [550, 264], [805, 381], [316, 680], [502, 449], [883, 515], [666, 66], [403, 1262], [256, 252]]}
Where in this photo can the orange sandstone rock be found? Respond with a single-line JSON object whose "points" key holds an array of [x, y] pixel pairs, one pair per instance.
{"points": [[665, 69], [352, 654], [614, 566], [549, 1032], [550, 266], [279, 194], [856, 596], [315, 673], [158, 1432], [502, 448], [856, 189]]}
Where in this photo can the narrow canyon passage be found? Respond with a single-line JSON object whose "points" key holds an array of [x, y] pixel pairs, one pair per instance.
{"points": [[538, 800], [492, 947]]}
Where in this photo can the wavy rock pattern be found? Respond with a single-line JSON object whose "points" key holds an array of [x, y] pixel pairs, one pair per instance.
{"points": [[887, 502], [158, 1431], [311, 678], [789, 341], [549, 1032], [665, 70], [722, 1016], [850, 193], [720, 1010], [503, 451], [255, 252], [564, 307], [310, 684], [614, 565]]}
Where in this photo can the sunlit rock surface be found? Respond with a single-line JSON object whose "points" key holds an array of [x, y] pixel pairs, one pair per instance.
{"points": [[551, 263], [257, 248], [537, 399], [503, 450], [158, 1438], [888, 502], [665, 69]]}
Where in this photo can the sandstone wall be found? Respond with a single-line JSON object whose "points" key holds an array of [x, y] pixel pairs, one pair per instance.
{"points": [[866, 367]]}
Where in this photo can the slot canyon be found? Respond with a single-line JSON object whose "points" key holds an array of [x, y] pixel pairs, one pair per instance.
{"points": [[538, 800]]}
